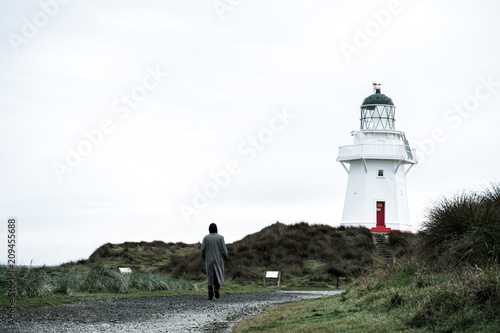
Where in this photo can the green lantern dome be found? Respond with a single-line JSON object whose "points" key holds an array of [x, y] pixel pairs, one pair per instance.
{"points": [[377, 97]]}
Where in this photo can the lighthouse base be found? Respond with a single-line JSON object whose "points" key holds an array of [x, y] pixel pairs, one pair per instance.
{"points": [[371, 225], [380, 229]]}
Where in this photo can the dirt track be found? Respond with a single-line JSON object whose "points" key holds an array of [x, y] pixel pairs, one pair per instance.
{"points": [[187, 313]]}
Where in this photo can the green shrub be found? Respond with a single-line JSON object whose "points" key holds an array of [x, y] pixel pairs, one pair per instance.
{"points": [[464, 230], [32, 282], [98, 279], [155, 282], [40, 281], [460, 301]]}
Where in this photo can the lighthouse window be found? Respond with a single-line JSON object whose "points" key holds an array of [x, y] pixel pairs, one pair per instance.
{"points": [[380, 173]]}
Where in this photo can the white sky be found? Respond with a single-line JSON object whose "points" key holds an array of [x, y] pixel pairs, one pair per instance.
{"points": [[231, 68]]}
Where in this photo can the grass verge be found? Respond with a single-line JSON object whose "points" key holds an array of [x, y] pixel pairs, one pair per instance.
{"points": [[50, 286], [401, 298], [326, 314], [59, 285]]}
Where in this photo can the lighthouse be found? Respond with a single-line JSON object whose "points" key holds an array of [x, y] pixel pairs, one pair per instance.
{"points": [[377, 163]]}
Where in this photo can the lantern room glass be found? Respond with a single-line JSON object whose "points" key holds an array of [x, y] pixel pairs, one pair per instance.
{"points": [[381, 116]]}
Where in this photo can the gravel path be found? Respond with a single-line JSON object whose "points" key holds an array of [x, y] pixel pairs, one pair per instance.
{"points": [[186, 313]]}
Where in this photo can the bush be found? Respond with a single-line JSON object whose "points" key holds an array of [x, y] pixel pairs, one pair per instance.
{"points": [[464, 230], [99, 279], [40, 281], [33, 282], [155, 282], [460, 301], [401, 243]]}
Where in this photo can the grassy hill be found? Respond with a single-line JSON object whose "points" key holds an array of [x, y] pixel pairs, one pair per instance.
{"points": [[447, 280], [308, 256], [303, 252], [139, 256]]}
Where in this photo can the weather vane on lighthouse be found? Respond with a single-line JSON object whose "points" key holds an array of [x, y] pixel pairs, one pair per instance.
{"points": [[377, 163]]}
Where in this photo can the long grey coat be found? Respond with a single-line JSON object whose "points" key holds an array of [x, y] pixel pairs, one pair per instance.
{"points": [[213, 250]]}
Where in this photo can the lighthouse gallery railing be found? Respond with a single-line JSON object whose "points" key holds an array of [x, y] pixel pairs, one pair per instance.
{"points": [[397, 152]]}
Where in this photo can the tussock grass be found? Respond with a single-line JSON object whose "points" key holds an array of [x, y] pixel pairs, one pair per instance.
{"points": [[44, 281], [464, 230]]}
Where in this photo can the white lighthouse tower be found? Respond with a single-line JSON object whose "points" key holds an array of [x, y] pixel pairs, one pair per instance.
{"points": [[377, 163]]}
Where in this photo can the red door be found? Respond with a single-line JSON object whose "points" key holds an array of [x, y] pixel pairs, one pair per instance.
{"points": [[380, 214]]}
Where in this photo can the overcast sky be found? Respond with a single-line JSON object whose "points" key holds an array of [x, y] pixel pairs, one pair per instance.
{"points": [[148, 120]]}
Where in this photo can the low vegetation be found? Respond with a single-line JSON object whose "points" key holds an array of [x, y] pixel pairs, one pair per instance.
{"points": [[447, 279], [400, 299], [42, 282], [464, 230]]}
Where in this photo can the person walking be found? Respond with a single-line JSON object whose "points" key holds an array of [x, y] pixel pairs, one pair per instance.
{"points": [[214, 252]]}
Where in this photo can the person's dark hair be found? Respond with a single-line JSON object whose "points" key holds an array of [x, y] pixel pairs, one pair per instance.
{"points": [[212, 228]]}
